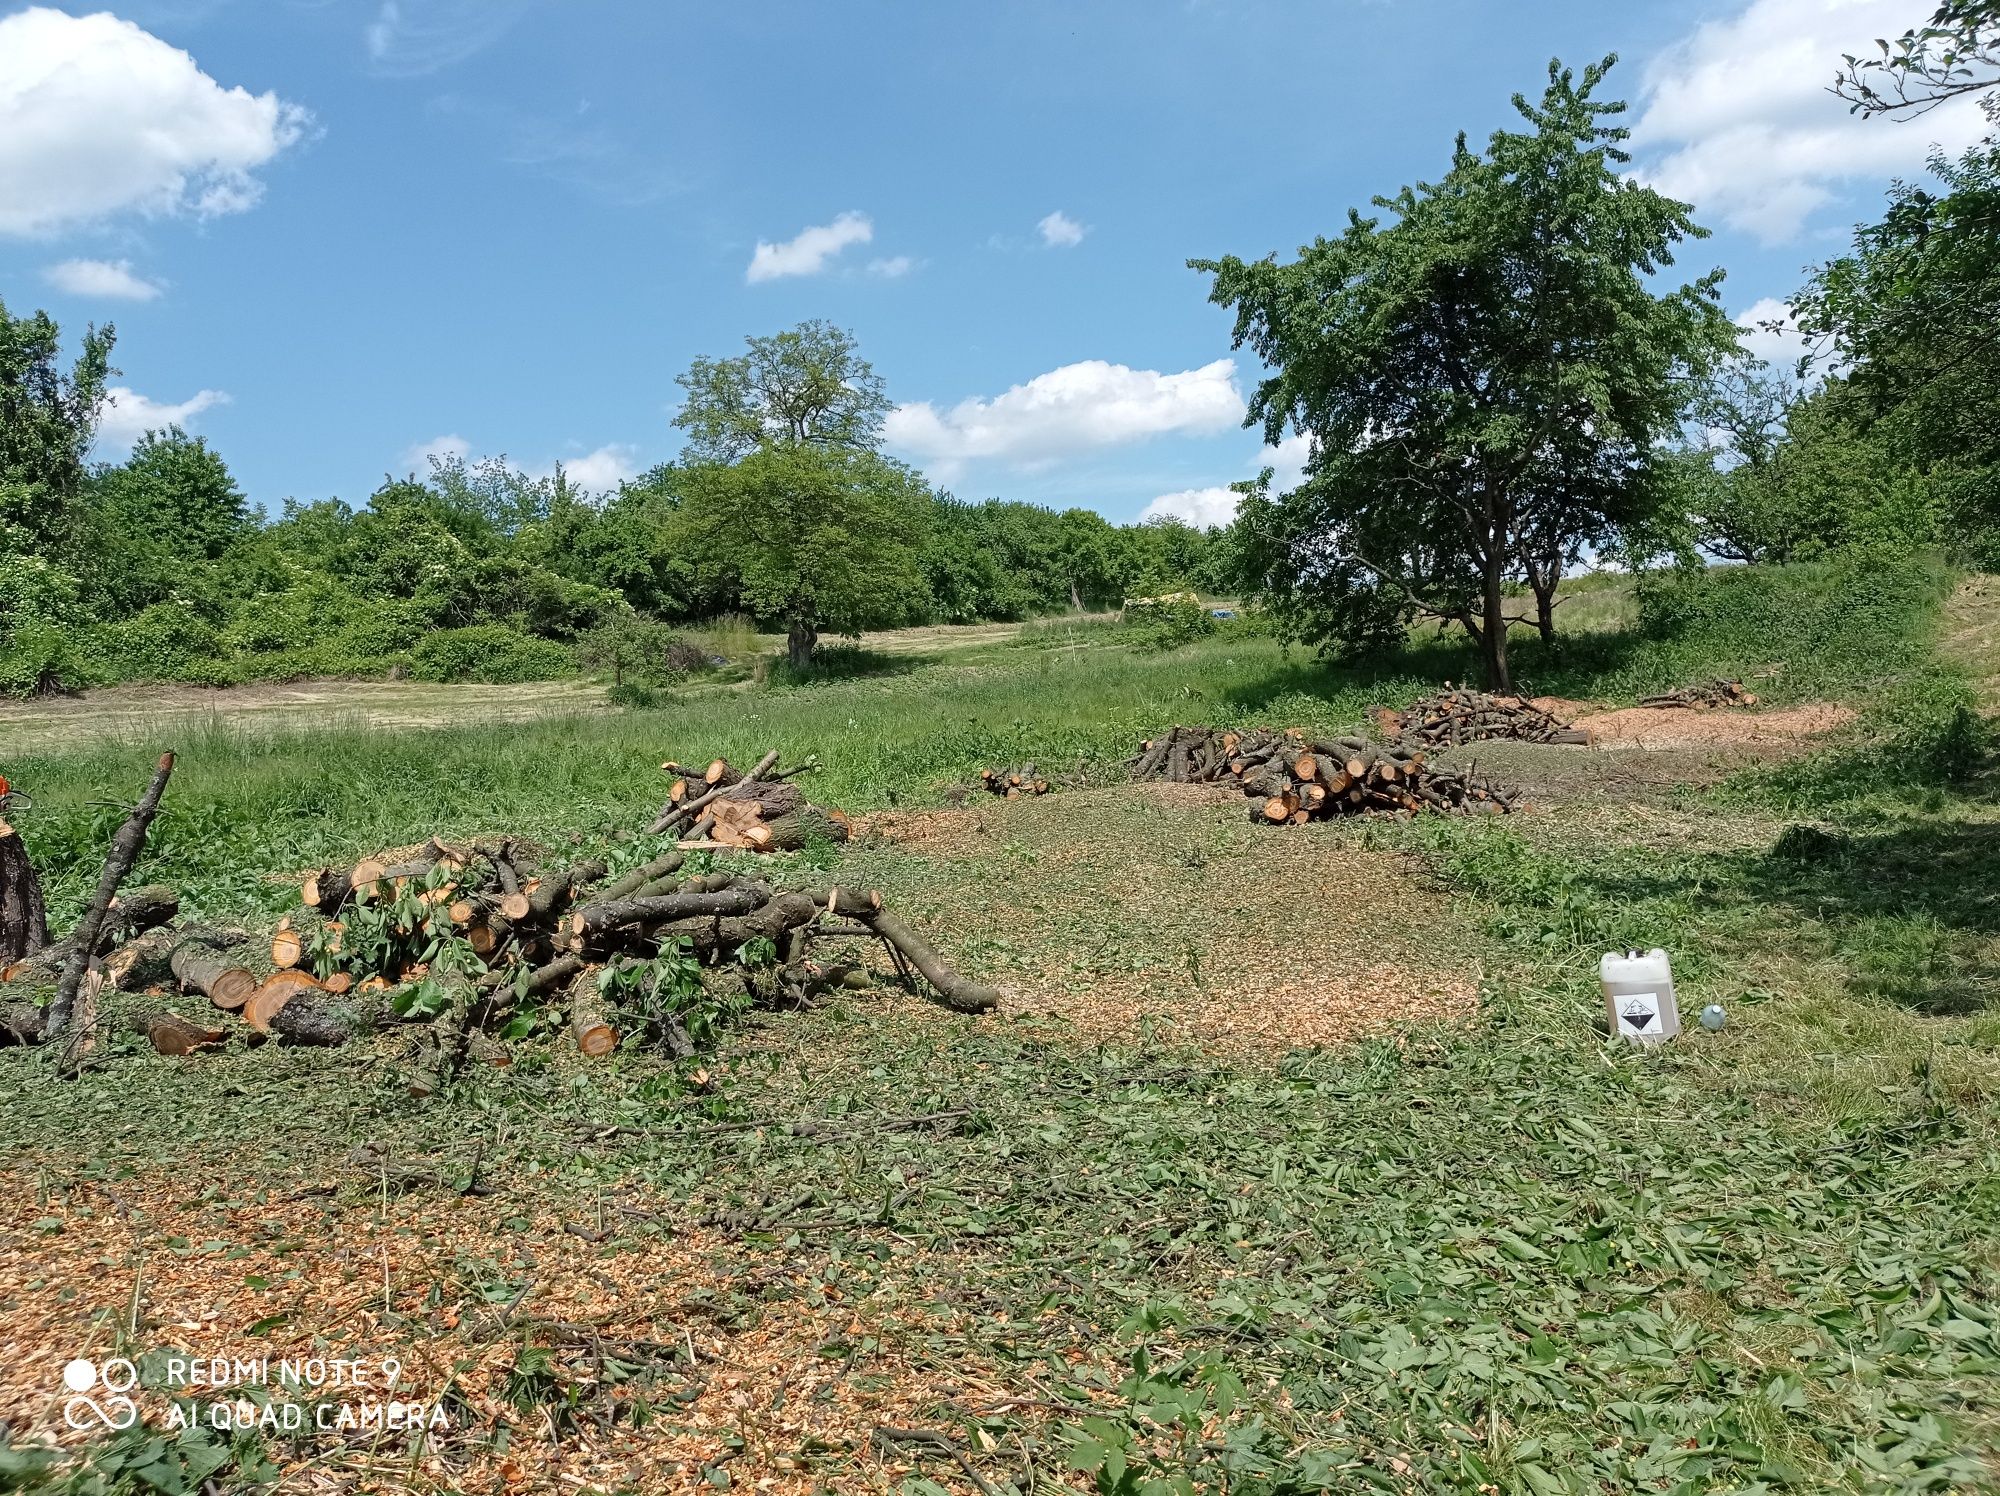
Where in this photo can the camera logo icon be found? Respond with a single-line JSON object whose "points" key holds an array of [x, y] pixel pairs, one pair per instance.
{"points": [[97, 1394]]}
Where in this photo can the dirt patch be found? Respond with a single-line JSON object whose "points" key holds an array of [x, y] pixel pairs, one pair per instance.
{"points": [[930, 830], [1681, 727]]}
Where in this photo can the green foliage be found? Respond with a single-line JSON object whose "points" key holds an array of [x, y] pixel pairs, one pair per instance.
{"points": [[490, 653], [815, 538], [1908, 314], [48, 419], [1170, 621], [171, 505], [1486, 380], [806, 387], [635, 650]]}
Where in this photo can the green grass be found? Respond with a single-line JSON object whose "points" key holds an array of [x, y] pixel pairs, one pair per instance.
{"points": [[1494, 1257]]}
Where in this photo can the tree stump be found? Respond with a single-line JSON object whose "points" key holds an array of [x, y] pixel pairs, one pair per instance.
{"points": [[23, 924]]}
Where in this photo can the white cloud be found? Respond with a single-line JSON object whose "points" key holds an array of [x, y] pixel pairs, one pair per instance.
{"points": [[1781, 345], [98, 117], [1287, 461], [1060, 231], [809, 252], [1738, 119], [444, 448], [1201, 507], [104, 278], [129, 415], [410, 38], [603, 470], [1077, 408], [894, 267]]}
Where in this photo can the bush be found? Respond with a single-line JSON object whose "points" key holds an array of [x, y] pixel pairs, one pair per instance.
{"points": [[1169, 622], [1935, 732], [167, 641], [40, 660], [635, 650], [490, 653]]}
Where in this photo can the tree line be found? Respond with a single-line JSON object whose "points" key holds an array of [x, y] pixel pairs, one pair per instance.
{"points": [[1499, 381], [781, 507]]}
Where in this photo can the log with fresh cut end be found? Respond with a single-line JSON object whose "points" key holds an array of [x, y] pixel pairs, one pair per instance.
{"points": [[271, 996], [172, 1035], [200, 967], [590, 1022]]}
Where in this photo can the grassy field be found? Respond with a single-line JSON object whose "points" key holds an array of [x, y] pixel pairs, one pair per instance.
{"points": [[1293, 1162]]}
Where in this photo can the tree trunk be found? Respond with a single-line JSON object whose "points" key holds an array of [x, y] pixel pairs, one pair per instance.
{"points": [[1075, 597], [1493, 630], [799, 644], [23, 926], [1543, 581]]}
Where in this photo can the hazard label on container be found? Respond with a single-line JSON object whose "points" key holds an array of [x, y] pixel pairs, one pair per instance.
{"points": [[1639, 1015]]}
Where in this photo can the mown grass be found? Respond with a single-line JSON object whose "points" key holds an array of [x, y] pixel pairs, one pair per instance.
{"points": [[1497, 1256]]}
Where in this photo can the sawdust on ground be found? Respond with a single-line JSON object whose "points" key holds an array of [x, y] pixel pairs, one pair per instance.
{"points": [[1686, 727], [1130, 908], [785, 1397]]}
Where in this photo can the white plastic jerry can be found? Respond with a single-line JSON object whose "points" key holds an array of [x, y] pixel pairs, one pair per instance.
{"points": [[1639, 996]]}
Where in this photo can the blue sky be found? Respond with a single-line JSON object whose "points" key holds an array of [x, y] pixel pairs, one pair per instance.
{"points": [[334, 234]]}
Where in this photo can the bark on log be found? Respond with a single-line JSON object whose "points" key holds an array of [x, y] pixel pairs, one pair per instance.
{"points": [[24, 927], [630, 883], [792, 833], [959, 993], [589, 1022], [609, 914], [199, 967], [557, 890], [687, 810], [172, 1035], [323, 1019], [125, 848]]}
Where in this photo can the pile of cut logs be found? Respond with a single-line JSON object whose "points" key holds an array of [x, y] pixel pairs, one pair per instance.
{"points": [[1450, 717], [463, 945], [1700, 698], [1012, 784], [1292, 779], [717, 808]]}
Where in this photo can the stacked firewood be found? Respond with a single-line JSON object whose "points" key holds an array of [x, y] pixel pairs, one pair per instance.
{"points": [[469, 945], [1451, 717], [1292, 779], [1012, 784], [715, 807], [1702, 697]]}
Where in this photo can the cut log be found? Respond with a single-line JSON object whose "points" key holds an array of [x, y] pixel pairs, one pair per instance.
{"points": [[556, 891], [24, 925], [200, 967], [626, 884], [957, 992], [172, 1035], [315, 1016], [272, 995], [287, 948], [589, 1022], [609, 914], [688, 809]]}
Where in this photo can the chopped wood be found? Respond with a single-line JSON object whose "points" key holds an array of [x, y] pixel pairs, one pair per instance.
{"points": [[590, 1024], [171, 1034], [287, 948], [1448, 718], [1703, 697], [1291, 779], [1012, 784]]}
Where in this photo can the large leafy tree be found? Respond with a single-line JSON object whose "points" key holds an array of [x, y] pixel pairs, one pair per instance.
{"points": [[787, 505], [171, 505], [48, 419], [1910, 314], [1486, 371], [818, 539], [806, 387]]}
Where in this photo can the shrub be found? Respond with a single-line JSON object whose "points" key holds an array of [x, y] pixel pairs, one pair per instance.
{"points": [[635, 650], [165, 642], [40, 660], [1169, 622], [491, 653], [1935, 732]]}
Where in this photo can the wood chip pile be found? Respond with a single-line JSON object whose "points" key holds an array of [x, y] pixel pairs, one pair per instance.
{"points": [[1701, 698], [472, 946], [1291, 779], [1455, 716]]}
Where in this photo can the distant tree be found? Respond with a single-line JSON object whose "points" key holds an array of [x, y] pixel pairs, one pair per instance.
{"points": [[169, 506], [1955, 54], [808, 386], [1487, 377], [48, 419], [817, 539]]}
